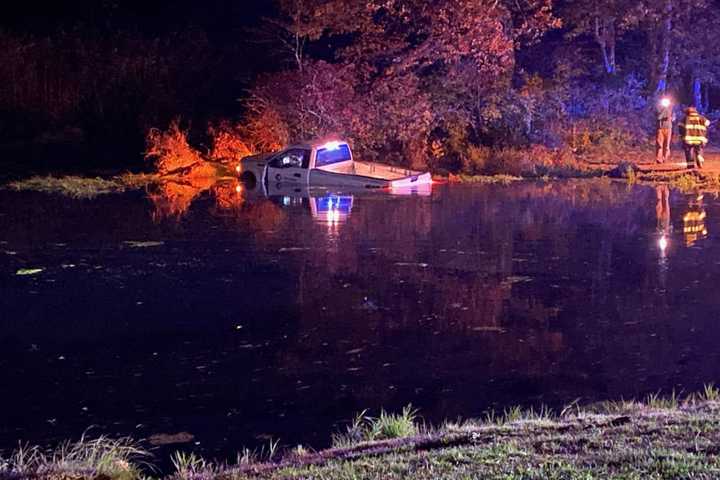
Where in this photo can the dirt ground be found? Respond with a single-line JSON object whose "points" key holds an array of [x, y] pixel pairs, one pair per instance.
{"points": [[677, 161]]}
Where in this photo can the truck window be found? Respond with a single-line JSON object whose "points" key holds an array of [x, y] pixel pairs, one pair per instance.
{"points": [[328, 156], [295, 158]]}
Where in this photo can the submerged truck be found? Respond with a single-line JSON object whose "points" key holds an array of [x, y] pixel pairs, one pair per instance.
{"points": [[325, 164]]}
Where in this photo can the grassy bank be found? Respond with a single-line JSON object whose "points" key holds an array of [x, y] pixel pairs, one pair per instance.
{"points": [[662, 437]]}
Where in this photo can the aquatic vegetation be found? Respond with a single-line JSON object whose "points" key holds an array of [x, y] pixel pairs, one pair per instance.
{"points": [[485, 179], [685, 182], [83, 187], [29, 271]]}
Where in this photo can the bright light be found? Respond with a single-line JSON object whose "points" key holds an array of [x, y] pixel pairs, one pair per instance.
{"points": [[238, 188], [663, 243], [331, 146], [333, 216], [237, 169], [665, 102]]}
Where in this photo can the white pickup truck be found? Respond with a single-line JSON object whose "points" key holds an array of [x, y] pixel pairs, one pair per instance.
{"points": [[325, 164]]}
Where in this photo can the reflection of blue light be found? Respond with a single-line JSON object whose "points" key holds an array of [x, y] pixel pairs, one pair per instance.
{"points": [[286, 201], [341, 204]]}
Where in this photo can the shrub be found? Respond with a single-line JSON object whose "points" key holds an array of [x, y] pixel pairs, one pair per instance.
{"points": [[228, 143], [169, 150]]}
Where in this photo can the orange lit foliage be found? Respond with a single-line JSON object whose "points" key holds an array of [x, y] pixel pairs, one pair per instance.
{"points": [[169, 150], [228, 143]]}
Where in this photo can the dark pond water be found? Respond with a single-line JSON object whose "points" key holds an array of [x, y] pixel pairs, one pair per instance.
{"points": [[240, 319]]}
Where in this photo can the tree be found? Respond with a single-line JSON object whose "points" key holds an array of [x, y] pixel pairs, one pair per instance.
{"points": [[604, 21], [394, 55]]}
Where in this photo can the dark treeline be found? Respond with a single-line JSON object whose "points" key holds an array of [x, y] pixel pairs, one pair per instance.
{"points": [[83, 82], [441, 84]]}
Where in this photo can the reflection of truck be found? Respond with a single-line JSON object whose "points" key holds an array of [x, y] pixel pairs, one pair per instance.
{"points": [[329, 164], [329, 208]]}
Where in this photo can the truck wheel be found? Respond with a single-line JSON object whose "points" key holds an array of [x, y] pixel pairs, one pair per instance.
{"points": [[249, 180]]}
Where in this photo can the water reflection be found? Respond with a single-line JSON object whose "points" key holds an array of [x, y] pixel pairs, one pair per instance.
{"points": [[173, 199], [281, 315], [664, 226], [694, 228]]}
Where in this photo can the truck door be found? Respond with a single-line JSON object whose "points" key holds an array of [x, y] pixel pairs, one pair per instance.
{"points": [[289, 167]]}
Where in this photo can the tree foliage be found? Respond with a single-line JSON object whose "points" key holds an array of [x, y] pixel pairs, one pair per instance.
{"points": [[402, 68]]}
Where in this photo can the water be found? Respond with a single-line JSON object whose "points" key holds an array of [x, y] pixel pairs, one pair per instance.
{"points": [[238, 318]]}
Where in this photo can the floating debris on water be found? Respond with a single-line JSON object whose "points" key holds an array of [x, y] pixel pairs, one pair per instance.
{"points": [[489, 329], [29, 271], [170, 438], [517, 279], [142, 244]]}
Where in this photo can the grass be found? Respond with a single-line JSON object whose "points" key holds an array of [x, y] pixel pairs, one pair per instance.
{"points": [[117, 459], [82, 187], [364, 428], [710, 393], [664, 437]]}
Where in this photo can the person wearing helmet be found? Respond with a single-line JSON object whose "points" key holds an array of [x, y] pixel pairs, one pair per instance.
{"points": [[693, 130]]}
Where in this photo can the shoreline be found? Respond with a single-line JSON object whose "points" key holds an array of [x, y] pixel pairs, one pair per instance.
{"points": [[662, 437], [81, 187]]}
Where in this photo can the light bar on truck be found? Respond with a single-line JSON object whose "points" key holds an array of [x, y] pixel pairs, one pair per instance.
{"points": [[334, 145]]}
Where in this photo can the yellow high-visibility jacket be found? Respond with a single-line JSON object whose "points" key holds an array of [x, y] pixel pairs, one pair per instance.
{"points": [[693, 129]]}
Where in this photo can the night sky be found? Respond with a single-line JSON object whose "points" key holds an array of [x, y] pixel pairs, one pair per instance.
{"points": [[220, 18]]}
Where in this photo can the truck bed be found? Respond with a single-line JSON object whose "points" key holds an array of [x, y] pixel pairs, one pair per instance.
{"points": [[368, 175]]}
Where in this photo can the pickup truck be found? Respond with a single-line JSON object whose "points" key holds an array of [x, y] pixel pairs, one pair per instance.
{"points": [[324, 164]]}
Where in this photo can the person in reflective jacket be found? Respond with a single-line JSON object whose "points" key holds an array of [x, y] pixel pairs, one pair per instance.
{"points": [[693, 130]]}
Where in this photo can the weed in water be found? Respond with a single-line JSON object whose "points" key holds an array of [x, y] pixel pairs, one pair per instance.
{"points": [[82, 187]]}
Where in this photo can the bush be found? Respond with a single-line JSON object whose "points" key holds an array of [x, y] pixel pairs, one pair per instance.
{"points": [[169, 150], [228, 143]]}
